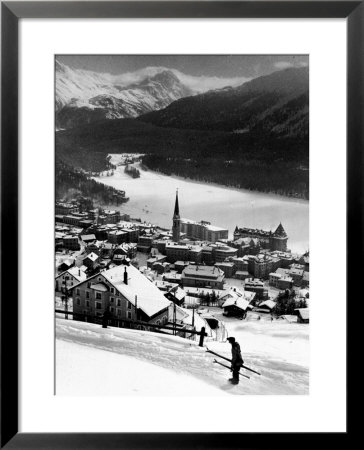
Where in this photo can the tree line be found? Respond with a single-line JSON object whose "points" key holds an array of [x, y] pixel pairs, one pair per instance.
{"points": [[69, 178], [279, 177]]}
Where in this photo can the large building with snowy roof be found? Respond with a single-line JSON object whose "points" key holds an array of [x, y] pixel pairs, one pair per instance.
{"points": [[122, 291], [276, 240], [203, 230], [203, 276]]}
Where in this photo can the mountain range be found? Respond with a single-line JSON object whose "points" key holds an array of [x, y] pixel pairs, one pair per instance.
{"points": [[254, 135], [85, 97], [276, 103]]}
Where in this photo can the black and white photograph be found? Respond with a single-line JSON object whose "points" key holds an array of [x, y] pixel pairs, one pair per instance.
{"points": [[182, 225]]}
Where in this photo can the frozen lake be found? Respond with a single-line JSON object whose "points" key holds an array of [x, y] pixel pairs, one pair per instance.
{"points": [[152, 199]]}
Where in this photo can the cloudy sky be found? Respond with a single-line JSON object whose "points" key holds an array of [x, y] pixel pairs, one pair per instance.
{"points": [[218, 69]]}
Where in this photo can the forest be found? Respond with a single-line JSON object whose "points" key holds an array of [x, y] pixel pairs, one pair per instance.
{"points": [[68, 178], [278, 177]]}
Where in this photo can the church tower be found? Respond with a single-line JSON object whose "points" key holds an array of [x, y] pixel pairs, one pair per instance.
{"points": [[176, 228]]}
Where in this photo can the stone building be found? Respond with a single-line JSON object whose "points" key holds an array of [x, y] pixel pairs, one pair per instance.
{"points": [[122, 291]]}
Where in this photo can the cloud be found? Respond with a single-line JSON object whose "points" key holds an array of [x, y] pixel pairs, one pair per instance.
{"points": [[197, 84], [205, 83], [288, 64]]}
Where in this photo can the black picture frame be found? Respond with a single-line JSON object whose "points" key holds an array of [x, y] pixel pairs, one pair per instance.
{"points": [[11, 13]]}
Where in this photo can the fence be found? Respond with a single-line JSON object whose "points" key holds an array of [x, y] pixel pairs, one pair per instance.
{"points": [[177, 329]]}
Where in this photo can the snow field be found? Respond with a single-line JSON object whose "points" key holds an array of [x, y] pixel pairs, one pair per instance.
{"points": [[145, 363]]}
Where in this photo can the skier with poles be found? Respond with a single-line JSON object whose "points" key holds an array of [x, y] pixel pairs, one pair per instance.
{"points": [[236, 360]]}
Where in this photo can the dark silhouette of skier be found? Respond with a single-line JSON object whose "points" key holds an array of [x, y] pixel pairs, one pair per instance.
{"points": [[236, 360], [105, 318]]}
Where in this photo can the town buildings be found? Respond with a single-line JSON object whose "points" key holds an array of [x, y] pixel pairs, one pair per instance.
{"points": [[193, 259]]}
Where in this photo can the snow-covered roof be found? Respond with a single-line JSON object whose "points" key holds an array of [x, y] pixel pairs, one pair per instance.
{"points": [[67, 262], [92, 256], [181, 314], [240, 303], [187, 316], [179, 293], [290, 318], [236, 294], [149, 298], [88, 237], [78, 273], [303, 293], [268, 303], [304, 312]]}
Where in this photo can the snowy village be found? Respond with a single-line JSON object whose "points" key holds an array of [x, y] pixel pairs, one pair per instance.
{"points": [[174, 298], [182, 225]]}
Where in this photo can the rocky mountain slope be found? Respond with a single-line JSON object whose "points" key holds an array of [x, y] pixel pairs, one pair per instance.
{"points": [[276, 103], [84, 97]]}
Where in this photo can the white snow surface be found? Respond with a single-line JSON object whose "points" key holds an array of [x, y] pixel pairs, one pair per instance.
{"points": [[93, 361]]}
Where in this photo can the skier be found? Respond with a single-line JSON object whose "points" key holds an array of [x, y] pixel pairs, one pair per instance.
{"points": [[105, 318], [236, 360]]}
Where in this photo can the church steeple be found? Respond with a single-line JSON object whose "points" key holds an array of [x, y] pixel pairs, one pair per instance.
{"points": [[176, 206], [176, 229]]}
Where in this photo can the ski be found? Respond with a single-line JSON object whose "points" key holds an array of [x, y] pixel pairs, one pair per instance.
{"points": [[227, 359], [224, 365]]}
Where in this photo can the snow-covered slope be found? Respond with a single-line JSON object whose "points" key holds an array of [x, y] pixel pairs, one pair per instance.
{"points": [[147, 363], [84, 96]]}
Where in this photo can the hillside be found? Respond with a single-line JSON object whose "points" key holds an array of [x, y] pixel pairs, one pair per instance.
{"points": [[256, 162], [276, 103], [146, 363], [254, 136]]}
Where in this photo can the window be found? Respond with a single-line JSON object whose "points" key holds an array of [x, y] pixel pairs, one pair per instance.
{"points": [[100, 279], [77, 291], [112, 300], [89, 285], [87, 303], [118, 311], [98, 295], [129, 315], [118, 302], [98, 305], [112, 310], [78, 301], [112, 290], [129, 305], [87, 294]]}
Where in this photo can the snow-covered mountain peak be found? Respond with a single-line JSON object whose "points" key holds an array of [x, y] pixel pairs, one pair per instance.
{"points": [[83, 96]]}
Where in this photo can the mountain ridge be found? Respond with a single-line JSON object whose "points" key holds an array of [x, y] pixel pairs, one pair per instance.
{"points": [[84, 96], [275, 103]]}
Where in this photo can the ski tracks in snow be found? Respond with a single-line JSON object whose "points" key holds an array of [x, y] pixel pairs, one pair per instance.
{"points": [[186, 357]]}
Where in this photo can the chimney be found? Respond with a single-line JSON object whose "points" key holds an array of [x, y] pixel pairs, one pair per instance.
{"points": [[125, 276]]}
